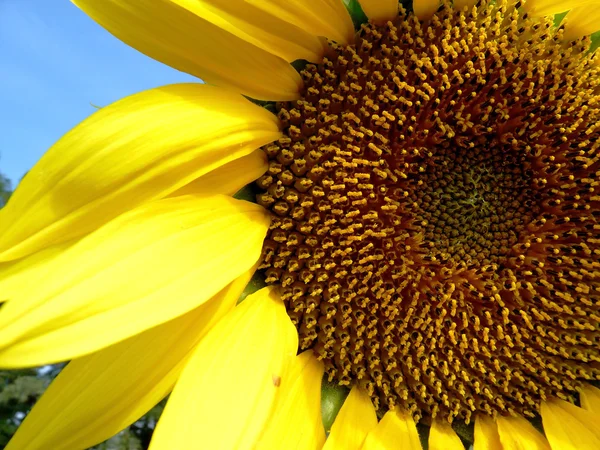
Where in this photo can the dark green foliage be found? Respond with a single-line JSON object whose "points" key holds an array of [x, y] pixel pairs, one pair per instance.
{"points": [[19, 390], [5, 190]]}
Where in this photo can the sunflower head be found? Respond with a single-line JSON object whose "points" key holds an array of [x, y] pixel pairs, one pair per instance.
{"points": [[435, 212], [427, 214]]}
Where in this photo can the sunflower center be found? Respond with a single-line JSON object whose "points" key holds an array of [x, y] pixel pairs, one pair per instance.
{"points": [[435, 213], [470, 204]]}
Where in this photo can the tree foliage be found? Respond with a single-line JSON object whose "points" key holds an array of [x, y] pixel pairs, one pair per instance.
{"points": [[5, 190], [19, 390]]}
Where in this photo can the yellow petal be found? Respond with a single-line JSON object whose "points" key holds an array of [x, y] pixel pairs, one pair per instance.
{"points": [[228, 388], [17, 275], [589, 419], [486, 434], [567, 431], [328, 18], [516, 433], [258, 27], [229, 178], [539, 8], [98, 395], [380, 11], [397, 429], [141, 148], [590, 398], [142, 269], [354, 421], [425, 9], [582, 21], [296, 420], [443, 437], [168, 31]]}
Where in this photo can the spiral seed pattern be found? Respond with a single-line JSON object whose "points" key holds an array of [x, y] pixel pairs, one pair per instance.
{"points": [[436, 215]]}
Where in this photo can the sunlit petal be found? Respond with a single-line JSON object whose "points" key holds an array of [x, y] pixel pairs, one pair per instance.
{"points": [[296, 420], [396, 429], [142, 269], [517, 433], [327, 18], [486, 435], [98, 395], [227, 391], [380, 11], [138, 149], [590, 398], [259, 27], [582, 20], [443, 437], [425, 9], [229, 178], [353, 423], [170, 32], [566, 430]]}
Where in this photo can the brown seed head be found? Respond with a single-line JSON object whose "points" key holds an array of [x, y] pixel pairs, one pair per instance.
{"points": [[436, 213]]}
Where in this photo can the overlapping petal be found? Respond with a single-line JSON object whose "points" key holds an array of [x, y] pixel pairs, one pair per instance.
{"points": [[98, 395], [380, 11], [486, 435], [258, 27], [17, 275], [227, 391], [425, 9], [296, 420], [517, 433], [551, 7], [396, 429], [568, 427], [353, 423], [229, 178], [582, 20], [443, 437], [172, 32], [144, 268], [141, 148], [328, 18], [590, 398]]}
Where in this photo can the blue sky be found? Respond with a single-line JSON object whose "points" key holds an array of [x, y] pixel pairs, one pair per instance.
{"points": [[55, 62]]}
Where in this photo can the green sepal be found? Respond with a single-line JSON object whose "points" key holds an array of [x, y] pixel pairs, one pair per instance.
{"points": [[595, 41], [247, 193], [256, 282], [558, 18], [356, 12], [332, 399]]}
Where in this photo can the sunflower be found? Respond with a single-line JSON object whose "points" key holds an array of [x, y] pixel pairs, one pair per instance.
{"points": [[425, 215]]}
